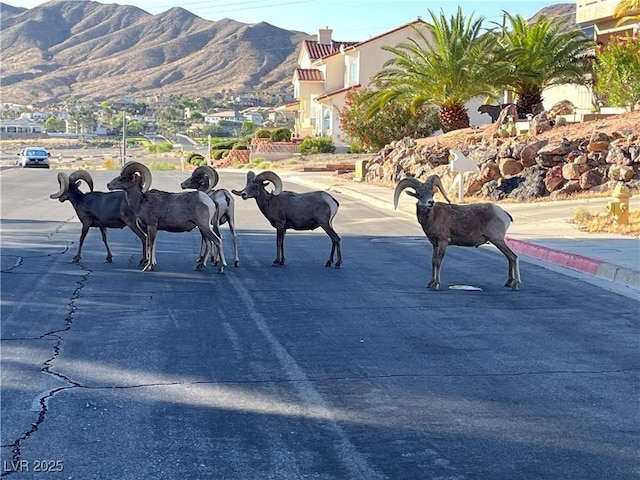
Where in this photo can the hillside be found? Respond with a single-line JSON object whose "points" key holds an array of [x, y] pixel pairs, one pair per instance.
{"points": [[89, 50], [65, 49]]}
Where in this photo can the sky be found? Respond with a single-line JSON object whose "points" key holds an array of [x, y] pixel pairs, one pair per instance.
{"points": [[350, 20]]}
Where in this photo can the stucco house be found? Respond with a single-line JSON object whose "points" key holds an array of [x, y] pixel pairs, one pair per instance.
{"points": [[327, 69], [596, 16]]}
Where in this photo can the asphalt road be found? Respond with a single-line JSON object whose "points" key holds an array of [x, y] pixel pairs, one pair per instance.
{"points": [[301, 371]]}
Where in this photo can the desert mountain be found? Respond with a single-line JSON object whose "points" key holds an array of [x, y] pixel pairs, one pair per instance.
{"points": [[89, 50], [98, 51]]}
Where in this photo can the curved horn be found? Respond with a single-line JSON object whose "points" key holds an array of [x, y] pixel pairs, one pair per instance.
{"points": [[409, 182], [131, 168], [270, 177], [82, 175], [63, 180], [210, 174], [434, 180]]}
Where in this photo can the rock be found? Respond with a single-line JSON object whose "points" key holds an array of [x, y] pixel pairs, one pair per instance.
{"points": [[529, 152], [509, 167], [617, 156], [531, 185], [564, 107], [554, 178], [599, 142], [540, 123], [572, 171], [621, 172], [568, 188], [591, 178]]}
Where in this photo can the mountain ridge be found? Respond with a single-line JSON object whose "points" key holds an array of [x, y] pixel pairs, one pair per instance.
{"points": [[88, 50]]}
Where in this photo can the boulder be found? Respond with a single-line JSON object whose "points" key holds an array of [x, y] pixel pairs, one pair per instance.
{"points": [[554, 178], [509, 167], [599, 142], [591, 178], [621, 172], [529, 153], [564, 107]]}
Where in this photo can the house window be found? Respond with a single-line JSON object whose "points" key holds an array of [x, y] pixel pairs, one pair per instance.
{"points": [[326, 119], [353, 73]]}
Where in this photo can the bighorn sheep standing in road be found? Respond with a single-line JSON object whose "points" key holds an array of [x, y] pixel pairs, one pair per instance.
{"points": [[205, 178], [300, 211], [97, 209], [172, 212], [463, 225]]}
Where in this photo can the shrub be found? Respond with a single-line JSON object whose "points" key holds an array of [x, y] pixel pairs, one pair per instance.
{"points": [[196, 159], [282, 134], [262, 133], [316, 145], [617, 69], [394, 121], [240, 146], [219, 153], [163, 147]]}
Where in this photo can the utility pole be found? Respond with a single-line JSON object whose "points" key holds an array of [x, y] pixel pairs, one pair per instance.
{"points": [[124, 138], [209, 160]]}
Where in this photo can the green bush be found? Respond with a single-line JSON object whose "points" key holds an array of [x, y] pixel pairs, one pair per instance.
{"points": [[224, 144], [196, 159], [240, 146], [282, 134], [219, 153], [163, 147], [316, 145], [262, 133]]}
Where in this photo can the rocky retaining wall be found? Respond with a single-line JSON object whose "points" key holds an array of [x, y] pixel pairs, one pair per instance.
{"points": [[520, 168]]}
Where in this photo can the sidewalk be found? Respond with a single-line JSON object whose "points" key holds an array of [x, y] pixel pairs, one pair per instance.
{"points": [[540, 231]]}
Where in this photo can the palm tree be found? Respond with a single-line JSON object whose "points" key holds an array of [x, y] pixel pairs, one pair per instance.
{"points": [[627, 10], [542, 55], [448, 65]]}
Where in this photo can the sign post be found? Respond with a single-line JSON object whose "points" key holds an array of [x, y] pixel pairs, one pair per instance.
{"points": [[461, 163]]}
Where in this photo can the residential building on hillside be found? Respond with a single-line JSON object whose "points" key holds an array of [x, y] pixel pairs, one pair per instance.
{"points": [[595, 17], [600, 14], [328, 69]]}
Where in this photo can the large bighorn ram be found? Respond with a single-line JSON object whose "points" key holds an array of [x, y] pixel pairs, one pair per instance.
{"points": [[205, 178], [463, 225], [172, 212], [299, 211], [97, 209]]}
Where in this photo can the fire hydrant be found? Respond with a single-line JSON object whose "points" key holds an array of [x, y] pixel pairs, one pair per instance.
{"points": [[618, 208]]}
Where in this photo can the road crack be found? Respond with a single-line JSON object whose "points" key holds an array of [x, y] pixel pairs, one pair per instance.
{"points": [[47, 368]]}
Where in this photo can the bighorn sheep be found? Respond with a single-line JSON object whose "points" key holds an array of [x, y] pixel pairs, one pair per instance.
{"points": [[97, 209], [205, 178], [172, 212], [463, 225], [300, 211]]}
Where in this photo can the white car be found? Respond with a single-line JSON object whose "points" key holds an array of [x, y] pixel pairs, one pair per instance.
{"points": [[34, 157]]}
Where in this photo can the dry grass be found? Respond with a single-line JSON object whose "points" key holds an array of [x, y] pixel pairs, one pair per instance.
{"points": [[594, 222]]}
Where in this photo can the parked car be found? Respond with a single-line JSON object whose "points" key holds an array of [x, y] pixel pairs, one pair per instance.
{"points": [[34, 157]]}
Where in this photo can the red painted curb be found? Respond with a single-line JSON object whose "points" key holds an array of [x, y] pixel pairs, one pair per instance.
{"points": [[570, 260]]}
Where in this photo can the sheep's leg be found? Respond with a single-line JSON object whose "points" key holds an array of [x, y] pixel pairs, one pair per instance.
{"points": [[232, 229], [83, 235], [513, 280], [152, 233], [143, 240], [280, 232], [335, 246], [103, 232], [439, 250], [213, 239], [205, 251]]}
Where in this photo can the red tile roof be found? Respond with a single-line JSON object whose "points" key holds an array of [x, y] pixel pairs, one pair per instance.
{"points": [[309, 74], [318, 50]]}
